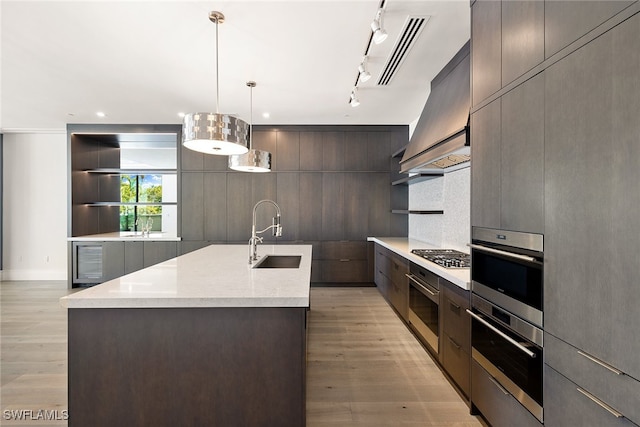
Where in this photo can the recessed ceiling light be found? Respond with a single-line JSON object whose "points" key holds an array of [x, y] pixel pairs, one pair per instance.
{"points": [[265, 115], [100, 114], [181, 115]]}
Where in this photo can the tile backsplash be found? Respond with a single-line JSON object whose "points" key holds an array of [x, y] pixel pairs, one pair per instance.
{"points": [[450, 193]]}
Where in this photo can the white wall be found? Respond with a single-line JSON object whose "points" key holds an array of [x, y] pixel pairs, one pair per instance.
{"points": [[450, 193], [35, 207]]}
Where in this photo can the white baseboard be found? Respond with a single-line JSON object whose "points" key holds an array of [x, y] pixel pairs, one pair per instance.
{"points": [[17, 275]]}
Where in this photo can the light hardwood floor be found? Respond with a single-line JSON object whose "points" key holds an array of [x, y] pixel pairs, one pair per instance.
{"points": [[364, 367]]}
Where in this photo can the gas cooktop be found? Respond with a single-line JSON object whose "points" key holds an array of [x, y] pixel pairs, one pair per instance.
{"points": [[448, 258]]}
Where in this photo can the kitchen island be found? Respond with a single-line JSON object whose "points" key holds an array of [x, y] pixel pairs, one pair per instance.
{"points": [[202, 339]]}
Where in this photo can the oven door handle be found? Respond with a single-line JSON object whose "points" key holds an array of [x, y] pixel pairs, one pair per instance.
{"points": [[421, 286], [505, 253], [519, 346]]}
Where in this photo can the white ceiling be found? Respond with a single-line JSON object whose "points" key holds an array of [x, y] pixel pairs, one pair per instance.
{"points": [[146, 61]]}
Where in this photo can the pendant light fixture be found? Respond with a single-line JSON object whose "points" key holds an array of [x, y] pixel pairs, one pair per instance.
{"points": [[215, 133], [253, 160]]}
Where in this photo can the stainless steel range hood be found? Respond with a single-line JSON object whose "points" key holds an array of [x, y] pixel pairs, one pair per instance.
{"points": [[440, 140]]}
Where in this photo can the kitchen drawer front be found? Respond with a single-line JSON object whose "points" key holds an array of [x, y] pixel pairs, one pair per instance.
{"points": [[456, 322], [399, 267], [399, 297], [498, 406], [347, 271], [619, 391], [343, 250], [384, 285], [566, 405], [456, 361], [383, 262]]}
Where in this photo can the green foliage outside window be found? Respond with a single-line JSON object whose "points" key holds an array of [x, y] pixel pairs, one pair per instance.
{"points": [[140, 189]]}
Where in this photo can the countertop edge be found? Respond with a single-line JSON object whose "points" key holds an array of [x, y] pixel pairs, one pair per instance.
{"points": [[99, 238], [184, 277], [395, 244]]}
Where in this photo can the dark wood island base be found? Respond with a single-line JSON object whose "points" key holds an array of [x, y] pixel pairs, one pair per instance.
{"points": [[187, 366]]}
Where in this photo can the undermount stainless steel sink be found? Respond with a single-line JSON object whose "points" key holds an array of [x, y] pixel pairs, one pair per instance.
{"points": [[279, 261]]}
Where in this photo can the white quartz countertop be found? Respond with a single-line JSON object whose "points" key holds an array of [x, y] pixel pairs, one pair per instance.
{"points": [[215, 276], [403, 246], [126, 236]]}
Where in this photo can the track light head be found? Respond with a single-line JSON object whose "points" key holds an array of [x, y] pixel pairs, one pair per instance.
{"points": [[364, 75], [379, 33], [354, 99]]}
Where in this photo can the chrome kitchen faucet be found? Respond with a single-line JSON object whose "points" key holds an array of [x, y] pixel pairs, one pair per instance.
{"points": [[275, 225]]}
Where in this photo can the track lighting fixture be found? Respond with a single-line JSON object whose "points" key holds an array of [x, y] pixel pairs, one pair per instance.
{"points": [[379, 34], [354, 99], [363, 75]]}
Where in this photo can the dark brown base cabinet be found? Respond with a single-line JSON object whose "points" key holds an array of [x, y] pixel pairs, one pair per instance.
{"points": [[455, 341], [390, 277], [187, 366], [454, 323], [96, 262]]}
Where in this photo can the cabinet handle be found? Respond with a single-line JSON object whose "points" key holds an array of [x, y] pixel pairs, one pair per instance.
{"points": [[454, 305], [519, 346], [455, 344], [499, 252], [601, 403], [344, 260], [497, 384], [421, 286], [601, 363]]}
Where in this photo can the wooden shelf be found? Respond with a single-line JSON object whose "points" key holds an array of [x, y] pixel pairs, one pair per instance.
{"points": [[130, 204], [399, 153], [417, 178], [415, 212], [115, 171]]}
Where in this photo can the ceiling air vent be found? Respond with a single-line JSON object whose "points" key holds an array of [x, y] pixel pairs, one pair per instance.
{"points": [[408, 35]]}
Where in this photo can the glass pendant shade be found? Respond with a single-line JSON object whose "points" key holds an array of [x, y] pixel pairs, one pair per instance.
{"points": [[214, 133], [252, 161]]}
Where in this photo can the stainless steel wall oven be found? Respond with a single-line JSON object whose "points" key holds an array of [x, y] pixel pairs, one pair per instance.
{"points": [[424, 301], [510, 350], [507, 270], [507, 312]]}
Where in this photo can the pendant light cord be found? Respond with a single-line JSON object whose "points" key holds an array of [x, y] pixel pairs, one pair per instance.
{"points": [[251, 117], [217, 79]]}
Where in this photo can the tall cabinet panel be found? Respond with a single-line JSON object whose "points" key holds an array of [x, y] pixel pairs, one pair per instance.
{"points": [[192, 206], [311, 200], [287, 155], [567, 21], [356, 202], [522, 158], [239, 207], [486, 49], [215, 206], [289, 200], [355, 151], [332, 151], [595, 211], [485, 166], [579, 205], [310, 150], [333, 207], [522, 37]]}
